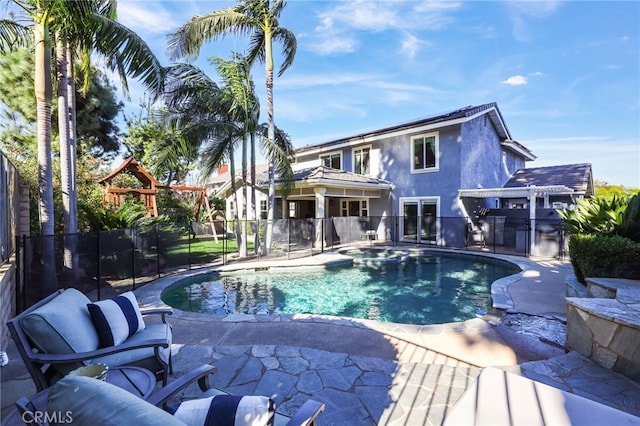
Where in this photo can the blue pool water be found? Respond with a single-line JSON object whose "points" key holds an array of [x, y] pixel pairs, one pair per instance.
{"points": [[430, 289]]}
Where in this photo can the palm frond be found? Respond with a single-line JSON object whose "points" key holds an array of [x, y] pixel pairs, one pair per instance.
{"points": [[186, 41], [280, 153], [128, 54], [289, 46], [14, 36]]}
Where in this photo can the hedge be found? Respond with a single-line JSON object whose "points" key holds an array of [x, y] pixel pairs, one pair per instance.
{"points": [[610, 256]]}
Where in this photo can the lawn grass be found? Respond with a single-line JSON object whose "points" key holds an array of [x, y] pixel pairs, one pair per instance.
{"points": [[202, 249]]}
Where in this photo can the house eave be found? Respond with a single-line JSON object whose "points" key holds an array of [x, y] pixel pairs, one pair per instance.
{"points": [[518, 149]]}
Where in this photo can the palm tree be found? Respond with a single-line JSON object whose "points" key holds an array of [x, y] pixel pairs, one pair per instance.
{"points": [[88, 23], [259, 20], [239, 91], [91, 27], [205, 117]]}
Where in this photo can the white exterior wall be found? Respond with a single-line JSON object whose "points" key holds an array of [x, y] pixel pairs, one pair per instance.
{"points": [[260, 196]]}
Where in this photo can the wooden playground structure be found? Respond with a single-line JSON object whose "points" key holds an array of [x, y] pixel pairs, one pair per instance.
{"points": [[147, 194]]}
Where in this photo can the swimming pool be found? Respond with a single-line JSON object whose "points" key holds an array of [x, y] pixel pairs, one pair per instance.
{"points": [[427, 289]]}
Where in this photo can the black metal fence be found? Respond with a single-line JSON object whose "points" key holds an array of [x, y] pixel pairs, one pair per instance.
{"points": [[110, 262]]}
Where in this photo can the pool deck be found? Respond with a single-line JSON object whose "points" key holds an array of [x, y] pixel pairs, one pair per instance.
{"points": [[367, 372]]}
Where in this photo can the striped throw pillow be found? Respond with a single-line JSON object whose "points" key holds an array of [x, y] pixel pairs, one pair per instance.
{"points": [[227, 410], [116, 319]]}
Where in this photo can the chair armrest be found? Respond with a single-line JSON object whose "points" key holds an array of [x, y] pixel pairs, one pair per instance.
{"points": [[83, 356], [200, 374], [163, 312], [307, 414]]}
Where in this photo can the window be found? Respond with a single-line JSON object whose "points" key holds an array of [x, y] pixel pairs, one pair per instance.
{"points": [[425, 152], [292, 210], [354, 208], [333, 160], [361, 161], [263, 209]]}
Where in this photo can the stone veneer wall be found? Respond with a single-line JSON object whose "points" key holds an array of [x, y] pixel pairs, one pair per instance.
{"points": [[607, 331], [7, 299], [8, 270]]}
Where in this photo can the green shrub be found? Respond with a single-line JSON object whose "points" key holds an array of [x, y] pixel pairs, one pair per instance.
{"points": [[630, 223], [594, 216], [609, 256]]}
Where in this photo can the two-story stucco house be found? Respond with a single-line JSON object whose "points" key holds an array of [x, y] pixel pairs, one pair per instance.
{"points": [[412, 182]]}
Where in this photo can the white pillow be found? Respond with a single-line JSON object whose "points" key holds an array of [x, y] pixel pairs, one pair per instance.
{"points": [[227, 410], [116, 319]]}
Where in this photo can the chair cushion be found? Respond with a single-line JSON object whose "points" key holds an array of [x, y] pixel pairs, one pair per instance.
{"points": [[231, 410], [62, 326], [85, 401], [144, 357], [116, 319]]}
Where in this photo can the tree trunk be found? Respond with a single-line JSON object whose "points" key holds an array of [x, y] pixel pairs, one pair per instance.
{"points": [[254, 209], [271, 136], [65, 154], [243, 248], [236, 221], [73, 156], [44, 94]]}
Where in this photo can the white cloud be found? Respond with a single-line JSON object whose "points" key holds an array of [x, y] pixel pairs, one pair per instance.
{"points": [[339, 23], [404, 87], [315, 80], [534, 9], [522, 11], [332, 44], [362, 15], [411, 45], [147, 17], [516, 80]]}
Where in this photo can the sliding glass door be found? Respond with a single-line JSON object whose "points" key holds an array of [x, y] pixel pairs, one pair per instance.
{"points": [[419, 221]]}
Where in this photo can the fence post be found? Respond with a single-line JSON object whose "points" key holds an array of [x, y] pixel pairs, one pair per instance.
{"points": [[157, 249], [224, 242], [189, 245], [99, 265], [133, 258], [18, 275], [288, 238]]}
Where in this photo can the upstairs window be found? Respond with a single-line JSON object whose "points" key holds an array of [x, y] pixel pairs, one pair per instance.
{"points": [[425, 152], [333, 160], [361, 160]]}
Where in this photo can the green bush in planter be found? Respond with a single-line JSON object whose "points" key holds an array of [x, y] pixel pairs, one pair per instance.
{"points": [[612, 256], [630, 222]]}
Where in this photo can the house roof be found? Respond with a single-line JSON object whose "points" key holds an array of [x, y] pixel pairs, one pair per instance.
{"points": [[578, 177], [440, 120], [327, 175], [132, 166]]}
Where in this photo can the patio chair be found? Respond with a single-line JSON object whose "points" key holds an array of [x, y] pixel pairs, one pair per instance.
{"points": [[58, 335], [475, 235], [86, 401]]}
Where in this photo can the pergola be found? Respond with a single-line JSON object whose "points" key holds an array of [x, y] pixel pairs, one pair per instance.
{"points": [[531, 193], [150, 185]]}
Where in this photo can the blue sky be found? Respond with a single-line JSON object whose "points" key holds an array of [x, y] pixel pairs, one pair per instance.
{"points": [[565, 75]]}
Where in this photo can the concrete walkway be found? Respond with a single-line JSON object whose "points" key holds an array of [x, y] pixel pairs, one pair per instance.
{"points": [[367, 372]]}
